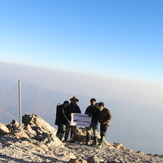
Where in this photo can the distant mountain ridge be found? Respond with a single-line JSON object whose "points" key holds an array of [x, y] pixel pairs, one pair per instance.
{"points": [[34, 100]]}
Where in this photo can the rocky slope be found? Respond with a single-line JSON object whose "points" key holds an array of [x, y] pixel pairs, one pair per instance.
{"points": [[23, 150], [36, 142]]}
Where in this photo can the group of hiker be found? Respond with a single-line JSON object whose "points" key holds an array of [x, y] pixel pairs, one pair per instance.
{"points": [[96, 111]]}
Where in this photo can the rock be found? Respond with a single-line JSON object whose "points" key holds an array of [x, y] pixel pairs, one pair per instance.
{"points": [[72, 156], [10, 127], [51, 140], [38, 137], [30, 132], [40, 130], [37, 129], [129, 150], [20, 134], [3, 129], [42, 146], [119, 146], [77, 161], [35, 120], [80, 135], [94, 159], [15, 123], [140, 152], [108, 144]]}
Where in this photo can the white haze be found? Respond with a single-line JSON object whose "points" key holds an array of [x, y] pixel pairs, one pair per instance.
{"points": [[107, 88]]}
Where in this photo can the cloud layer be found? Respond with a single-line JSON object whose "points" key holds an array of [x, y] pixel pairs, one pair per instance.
{"points": [[102, 87]]}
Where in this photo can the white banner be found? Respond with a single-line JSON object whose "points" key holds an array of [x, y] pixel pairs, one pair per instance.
{"points": [[80, 120]]}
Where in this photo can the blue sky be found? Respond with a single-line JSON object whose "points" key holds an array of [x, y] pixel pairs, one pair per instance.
{"points": [[113, 38]]}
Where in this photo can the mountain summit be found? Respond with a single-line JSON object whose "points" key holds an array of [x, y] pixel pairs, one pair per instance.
{"points": [[36, 142]]}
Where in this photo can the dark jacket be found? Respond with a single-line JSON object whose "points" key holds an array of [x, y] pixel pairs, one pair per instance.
{"points": [[94, 111], [105, 116], [72, 109], [61, 117]]}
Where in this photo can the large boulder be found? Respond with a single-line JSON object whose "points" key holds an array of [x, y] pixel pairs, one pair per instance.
{"points": [[3, 129], [35, 120], [80, 136], [40, 130]]}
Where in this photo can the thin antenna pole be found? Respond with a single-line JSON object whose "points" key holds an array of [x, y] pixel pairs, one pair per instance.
{"points": [[20, 102]]}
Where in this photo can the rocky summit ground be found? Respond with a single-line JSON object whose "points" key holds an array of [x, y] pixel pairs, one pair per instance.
{"points": [[25, 150]]}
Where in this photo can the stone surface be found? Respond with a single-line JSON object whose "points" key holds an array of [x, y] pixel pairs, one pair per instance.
{"points": [[35, 120], [15, 123], [3, 129], [40, 130], [77, 161], [94, 159], [80, 136], [30, 132], [119, 146], [17, 146], [72, 156], [10, 127], [20, 134], [51, 139]]}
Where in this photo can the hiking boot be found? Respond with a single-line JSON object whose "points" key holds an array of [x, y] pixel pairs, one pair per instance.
{"points": [[88, 139], [61, 136], [66, 137], [102, 140], [95, 140]]}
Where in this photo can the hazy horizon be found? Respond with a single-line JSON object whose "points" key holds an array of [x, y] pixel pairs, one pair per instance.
{"points": [[102, 87]]}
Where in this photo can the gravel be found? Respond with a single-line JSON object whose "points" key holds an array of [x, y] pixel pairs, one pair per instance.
{"points": [[14, 150]]}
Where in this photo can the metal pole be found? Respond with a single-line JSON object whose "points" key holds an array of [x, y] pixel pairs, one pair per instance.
{"points": [[20, 102]]}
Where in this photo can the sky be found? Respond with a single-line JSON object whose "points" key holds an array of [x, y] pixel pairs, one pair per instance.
{"points": [[110, 49], [120, 39]]}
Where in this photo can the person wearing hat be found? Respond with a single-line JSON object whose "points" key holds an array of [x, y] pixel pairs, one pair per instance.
{"points": [[92, 111], [61, 119], [73, 108], [104, 120]]}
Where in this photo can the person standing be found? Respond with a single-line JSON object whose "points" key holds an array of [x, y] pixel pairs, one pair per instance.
{"points": [[73, 108], [61, 119], [92, 111], [104, 120]]}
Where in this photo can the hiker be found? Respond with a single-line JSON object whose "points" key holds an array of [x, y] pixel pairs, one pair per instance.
{"points": [[73, 108], [104, 120], [92, 111], [61, 119]]}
